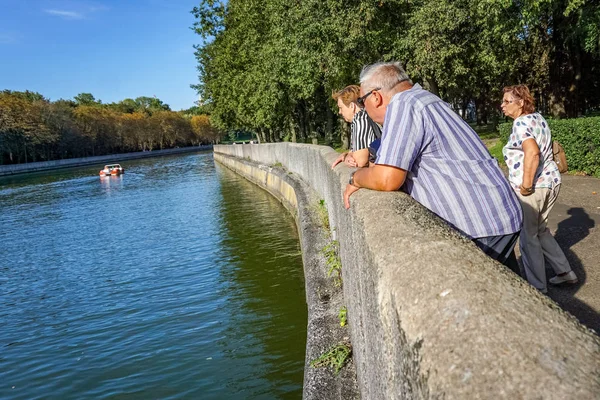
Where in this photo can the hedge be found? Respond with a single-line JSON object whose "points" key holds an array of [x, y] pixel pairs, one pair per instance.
{"points": [[580, 137]]}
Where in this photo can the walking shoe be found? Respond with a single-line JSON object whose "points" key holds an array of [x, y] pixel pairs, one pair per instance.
{"points": [[569, 277]]}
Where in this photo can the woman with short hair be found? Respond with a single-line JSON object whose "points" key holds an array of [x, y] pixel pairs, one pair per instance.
{"points": [[535, 177], [362, 127]]}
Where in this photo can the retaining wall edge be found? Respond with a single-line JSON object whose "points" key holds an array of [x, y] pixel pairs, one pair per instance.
{"points": [[430, 315]]}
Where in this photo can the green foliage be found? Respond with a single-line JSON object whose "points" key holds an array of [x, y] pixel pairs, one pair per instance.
{"points": [[504, 131], [86, 99], [580, 137], [342, 315], [269, 67], [34, 129], [335, 357], [333, 261], [496, 151], [323, 214]]}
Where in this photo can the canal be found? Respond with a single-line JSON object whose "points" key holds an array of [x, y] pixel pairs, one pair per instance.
{"points": [[177, 280]]}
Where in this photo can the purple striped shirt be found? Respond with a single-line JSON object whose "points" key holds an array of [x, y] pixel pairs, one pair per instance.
{"points": [[449, 170]]}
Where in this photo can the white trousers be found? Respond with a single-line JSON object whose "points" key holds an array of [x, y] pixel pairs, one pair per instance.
{"points": [[535, 241]]}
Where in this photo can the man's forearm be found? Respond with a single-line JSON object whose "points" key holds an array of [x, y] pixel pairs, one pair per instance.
{"points": [[379, 177]]}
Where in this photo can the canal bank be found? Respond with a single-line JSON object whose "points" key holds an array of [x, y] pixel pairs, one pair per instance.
{"points": [[324, 296], [430, 315], [15, 169]]}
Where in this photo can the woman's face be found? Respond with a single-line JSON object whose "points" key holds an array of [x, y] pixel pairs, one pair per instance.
{"points": [[511, 106], [347, 112]]}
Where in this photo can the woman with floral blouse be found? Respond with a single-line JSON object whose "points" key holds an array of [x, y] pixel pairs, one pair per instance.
{"points": [[535, 177]]}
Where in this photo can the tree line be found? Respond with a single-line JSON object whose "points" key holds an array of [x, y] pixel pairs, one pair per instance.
{"points": [[33, 128], [270, 66]]}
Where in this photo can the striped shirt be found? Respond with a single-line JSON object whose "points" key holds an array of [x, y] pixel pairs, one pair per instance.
{"points": [[362, 133], [449, 170]]}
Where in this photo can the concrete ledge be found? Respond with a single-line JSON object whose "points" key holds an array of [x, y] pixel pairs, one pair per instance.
{"points": [[430, 315], [14, 169], [323, 298]]}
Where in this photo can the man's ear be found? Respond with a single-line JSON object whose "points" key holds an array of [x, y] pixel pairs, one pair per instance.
{"points": [[378, 98]]}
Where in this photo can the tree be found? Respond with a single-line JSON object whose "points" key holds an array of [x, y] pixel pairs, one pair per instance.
{"points": [[86, 99], [149, 105], [23, 129], [269, 66], [203, 131], [33, 128]]}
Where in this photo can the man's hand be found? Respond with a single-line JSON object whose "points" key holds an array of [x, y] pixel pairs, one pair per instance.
{"points": [[385, 178], [347, 193], [350, 161], [341, 158]]}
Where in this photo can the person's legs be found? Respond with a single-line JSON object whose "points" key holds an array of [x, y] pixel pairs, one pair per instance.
{"points": [[552, 251], [501, 248], [529, 243]]}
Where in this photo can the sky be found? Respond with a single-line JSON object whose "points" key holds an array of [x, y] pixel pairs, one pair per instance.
{"points": [[114, 49]]}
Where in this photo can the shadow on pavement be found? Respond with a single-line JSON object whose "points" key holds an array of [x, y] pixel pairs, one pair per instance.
{"points": [[570, 232]]}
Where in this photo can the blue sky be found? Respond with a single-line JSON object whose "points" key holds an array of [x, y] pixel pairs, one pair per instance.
{"points": [[114, 49]]}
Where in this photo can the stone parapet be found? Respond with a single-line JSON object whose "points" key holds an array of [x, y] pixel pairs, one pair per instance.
{"points": [[430, 315]]}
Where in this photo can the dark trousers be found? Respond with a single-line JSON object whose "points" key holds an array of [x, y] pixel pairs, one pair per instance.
{"points": [[501, 248]]}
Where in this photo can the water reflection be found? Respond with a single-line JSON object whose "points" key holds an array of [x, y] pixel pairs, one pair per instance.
{"points": [[265, 264], [133, 287], [111, 183]]}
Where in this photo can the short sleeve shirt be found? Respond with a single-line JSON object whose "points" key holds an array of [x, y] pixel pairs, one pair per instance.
{"points": [[531, 126], [449, 169], [362, 133]]}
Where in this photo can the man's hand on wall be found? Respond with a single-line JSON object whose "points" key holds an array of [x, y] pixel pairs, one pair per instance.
{"points": [[347, 193]]}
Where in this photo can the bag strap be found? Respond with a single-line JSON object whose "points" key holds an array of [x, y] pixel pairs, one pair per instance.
{"points": [[556, 147]]}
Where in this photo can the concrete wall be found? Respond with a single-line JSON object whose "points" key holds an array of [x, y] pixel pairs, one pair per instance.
{"points": [[323, 297], [14, 169], [430, 315]]}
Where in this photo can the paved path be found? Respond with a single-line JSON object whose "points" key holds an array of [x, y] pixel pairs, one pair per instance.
{"points": [[575, 223]]}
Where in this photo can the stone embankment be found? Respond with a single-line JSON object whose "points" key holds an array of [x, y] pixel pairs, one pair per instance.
{"points": [[14, 169], [430, 315], [324, 296]]}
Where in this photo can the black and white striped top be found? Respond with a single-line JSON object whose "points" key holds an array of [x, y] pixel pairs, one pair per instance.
{"points": [[362, 132]]}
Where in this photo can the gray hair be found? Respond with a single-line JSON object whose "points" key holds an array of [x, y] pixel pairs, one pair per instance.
{"points": [[384, 75]]}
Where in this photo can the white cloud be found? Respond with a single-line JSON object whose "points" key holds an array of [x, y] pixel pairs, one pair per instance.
{"points": [[65, 14]]}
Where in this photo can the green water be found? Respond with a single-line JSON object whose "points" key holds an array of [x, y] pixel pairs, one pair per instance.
{"points": [[177, 280]]}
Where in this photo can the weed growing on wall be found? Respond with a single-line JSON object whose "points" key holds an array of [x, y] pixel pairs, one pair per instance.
{"points": [[333, 262], [335, 357], [323, 214], [342, 315]]}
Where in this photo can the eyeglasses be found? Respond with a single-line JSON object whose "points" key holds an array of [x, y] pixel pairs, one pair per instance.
{"points": [[361, 100]]}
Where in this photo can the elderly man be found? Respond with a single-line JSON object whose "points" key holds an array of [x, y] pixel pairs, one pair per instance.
{"points": [[427, 149]]}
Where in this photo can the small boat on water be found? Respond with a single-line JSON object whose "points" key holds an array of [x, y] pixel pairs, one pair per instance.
{"points": [[112, 169]]}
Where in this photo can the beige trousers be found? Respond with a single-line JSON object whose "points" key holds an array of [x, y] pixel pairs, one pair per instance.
{"points": [[536, 242]]}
